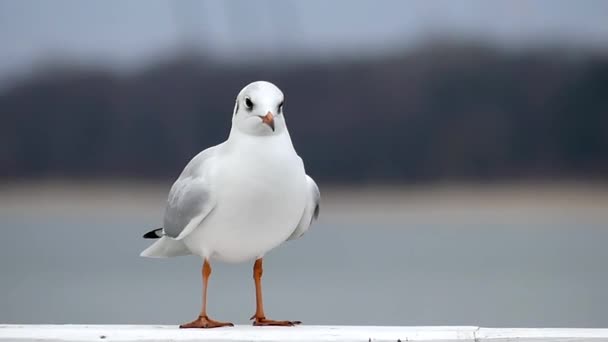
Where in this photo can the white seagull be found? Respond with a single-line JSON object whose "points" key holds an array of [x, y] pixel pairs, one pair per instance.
{"points": [[238, 200]]}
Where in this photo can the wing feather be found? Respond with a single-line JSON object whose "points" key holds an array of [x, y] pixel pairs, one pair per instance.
{"points": [[190, 198], [311, 212]]}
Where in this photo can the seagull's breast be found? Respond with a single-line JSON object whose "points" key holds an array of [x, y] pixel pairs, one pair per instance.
{"points": [[261, 195]]}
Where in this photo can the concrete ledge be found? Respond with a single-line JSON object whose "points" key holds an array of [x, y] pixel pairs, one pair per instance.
{"points": [[149, 333], [539, 334]]}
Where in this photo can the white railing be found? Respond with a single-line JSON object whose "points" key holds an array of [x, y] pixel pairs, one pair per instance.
{"points": [[156, 333]]}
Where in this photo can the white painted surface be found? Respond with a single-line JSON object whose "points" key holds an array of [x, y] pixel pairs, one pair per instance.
{"points": [[149, 333], [538, 334], [143, 333]]}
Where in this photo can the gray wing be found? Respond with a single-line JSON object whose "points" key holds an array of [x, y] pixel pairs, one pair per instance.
{"points": [[190, 199], [311, 212]]}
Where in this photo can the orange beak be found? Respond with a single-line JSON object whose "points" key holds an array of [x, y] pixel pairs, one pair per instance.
{"points": [[269, 120]]}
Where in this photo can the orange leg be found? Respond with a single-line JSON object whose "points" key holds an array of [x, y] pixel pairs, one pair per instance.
{"points": [[203, 321], [259, 317]]}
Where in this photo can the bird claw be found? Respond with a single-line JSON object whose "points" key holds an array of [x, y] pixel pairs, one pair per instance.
{"points": [[262, 321], [205, 322]]}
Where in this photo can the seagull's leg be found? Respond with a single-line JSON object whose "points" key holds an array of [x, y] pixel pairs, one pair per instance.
{"points": [[259, 317], [203, 321]]}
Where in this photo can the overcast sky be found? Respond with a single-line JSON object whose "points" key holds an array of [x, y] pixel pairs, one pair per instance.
{"points": [[131, 33]]}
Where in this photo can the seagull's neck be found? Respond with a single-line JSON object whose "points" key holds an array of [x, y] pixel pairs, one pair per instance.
{"points": [[237, 138]]}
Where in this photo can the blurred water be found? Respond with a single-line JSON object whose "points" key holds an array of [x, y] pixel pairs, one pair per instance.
{"points": [[75, 269]]}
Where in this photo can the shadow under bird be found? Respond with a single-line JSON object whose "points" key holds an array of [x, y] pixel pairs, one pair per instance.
{"points": [[238, 200]]}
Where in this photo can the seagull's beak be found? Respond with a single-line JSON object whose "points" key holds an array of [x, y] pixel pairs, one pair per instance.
{"points": [[269, 120]]}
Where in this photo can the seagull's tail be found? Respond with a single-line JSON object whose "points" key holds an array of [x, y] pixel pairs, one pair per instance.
{"points": [[165, 247]]}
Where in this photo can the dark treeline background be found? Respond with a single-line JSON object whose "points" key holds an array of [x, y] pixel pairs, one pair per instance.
{"points": [[438, 112]]}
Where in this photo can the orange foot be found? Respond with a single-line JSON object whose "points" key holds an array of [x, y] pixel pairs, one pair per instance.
{"points": [[262, 321], [205, 322]]}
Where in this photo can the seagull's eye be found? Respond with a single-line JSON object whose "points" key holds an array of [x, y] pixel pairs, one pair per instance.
{"points": [[280, 108], [248, 103]]}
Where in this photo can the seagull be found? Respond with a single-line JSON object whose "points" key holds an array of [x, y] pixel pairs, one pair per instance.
{"points": [[236, 201]]}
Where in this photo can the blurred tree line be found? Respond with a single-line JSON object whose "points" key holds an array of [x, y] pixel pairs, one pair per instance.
{"points": [[440, 112]]}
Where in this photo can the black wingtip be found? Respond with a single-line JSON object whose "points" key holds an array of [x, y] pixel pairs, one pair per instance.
{"points": [[316, 212], [154, 234]]}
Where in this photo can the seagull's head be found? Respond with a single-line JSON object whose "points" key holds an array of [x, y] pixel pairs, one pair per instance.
{"points": [[259, 109]]}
